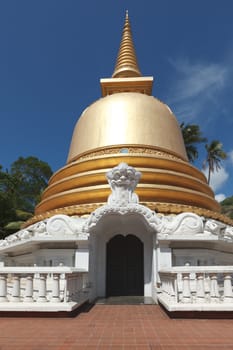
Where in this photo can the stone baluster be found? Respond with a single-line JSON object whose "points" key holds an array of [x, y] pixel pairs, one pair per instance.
{"points": [[172, 291], [28, 297], [228, 296], [3, 288], [166, 285], [200, 296], [162, 284], [16, 289], [186, 297], [62, 286], [42, 289], [67, 288], [55, 288], [214, 291]]}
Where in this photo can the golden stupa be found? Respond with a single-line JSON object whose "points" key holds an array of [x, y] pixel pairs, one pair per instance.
{"points": [[128, 125]]}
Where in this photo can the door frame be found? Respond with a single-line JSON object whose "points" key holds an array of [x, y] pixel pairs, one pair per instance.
{"points": [[113, 225]]}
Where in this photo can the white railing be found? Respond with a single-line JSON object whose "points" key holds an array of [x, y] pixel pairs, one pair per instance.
{"points": [[197, 288], [35, 285]]}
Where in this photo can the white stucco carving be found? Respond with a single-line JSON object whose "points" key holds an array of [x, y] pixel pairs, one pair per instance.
{"points": [[228, 233], [213, 227], [56, 226], [40, 228], [123, 180], [63, 224], [150, 217], [185, 223]]}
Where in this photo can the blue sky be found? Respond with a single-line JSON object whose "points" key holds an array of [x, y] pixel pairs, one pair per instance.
{"points": [[53, 53]]}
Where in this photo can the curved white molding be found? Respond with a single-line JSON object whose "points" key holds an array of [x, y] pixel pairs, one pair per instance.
{"points": [[57, 226], [64, 225], [185, 223], [150, 217]]}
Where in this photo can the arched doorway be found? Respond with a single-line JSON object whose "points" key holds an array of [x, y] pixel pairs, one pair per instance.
{"points": [[125, 266]]}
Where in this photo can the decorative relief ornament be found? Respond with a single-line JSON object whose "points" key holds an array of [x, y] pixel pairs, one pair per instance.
{"points": [[65, 225], [123, 180], [151, 218], [185, 223], [213, 227], [57, 226], [228, 233]]}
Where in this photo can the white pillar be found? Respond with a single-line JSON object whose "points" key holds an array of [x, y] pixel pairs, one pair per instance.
{"points": [[200, 296], [214, 292], [16, 289], [42, 289], [172, 288], [186, 298], [3, 288], [228, 296], [55, 289], [28, 297]]}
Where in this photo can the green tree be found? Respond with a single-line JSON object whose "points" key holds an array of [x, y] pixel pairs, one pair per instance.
{"points": [[192, 136], [215, 154], [31, 176], [20, 190]]}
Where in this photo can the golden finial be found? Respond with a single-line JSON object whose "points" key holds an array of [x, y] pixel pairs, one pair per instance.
{"points": [[126, 64]]}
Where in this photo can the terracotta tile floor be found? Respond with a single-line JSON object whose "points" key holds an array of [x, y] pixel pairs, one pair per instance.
{"points": [[116, 327]]}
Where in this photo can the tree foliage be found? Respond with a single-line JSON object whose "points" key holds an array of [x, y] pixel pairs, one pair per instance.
{"points": [[215, 154], [192, 136], [227, 207], [20, 190]]}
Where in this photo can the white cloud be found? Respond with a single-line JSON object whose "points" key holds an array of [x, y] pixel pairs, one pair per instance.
{"points": [[197, 78], [230, 156], [196, 87], [220, 197], [218, 178]]}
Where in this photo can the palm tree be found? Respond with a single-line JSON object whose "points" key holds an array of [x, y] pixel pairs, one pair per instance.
{"points": [[215, 154], [192, 135]]}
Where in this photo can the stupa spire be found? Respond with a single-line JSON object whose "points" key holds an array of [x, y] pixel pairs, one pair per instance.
{"points": [[126, 63]]}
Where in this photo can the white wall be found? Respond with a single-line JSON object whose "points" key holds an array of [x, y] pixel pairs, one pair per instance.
{"points": [[201, 257], [44, 257]]}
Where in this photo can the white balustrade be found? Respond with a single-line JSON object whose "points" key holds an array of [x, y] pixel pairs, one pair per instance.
{"points": [[28, 297], [3, 288], [15, 288], [41, 285], [200, 297], [197, 288], [214, 290], [186, 295], [55, 288], [227, 288], [42, 291]]}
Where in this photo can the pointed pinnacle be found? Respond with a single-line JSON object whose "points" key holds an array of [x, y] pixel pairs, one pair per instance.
{"points": [[126, 63]]}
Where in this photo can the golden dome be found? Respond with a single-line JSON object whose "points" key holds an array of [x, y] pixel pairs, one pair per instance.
{"points": [[127, 125], [127, 119]]}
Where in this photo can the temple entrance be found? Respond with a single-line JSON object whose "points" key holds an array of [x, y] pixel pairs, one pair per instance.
{"points": [[125, 265]]}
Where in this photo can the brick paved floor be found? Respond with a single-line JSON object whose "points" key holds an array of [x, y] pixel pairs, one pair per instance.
{"points": [[116, 327]]}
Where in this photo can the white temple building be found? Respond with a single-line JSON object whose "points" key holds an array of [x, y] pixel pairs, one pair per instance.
{"points": [[127, 215]]}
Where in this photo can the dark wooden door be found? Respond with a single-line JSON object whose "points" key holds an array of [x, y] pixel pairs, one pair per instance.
{"points": [[125, 266]]}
